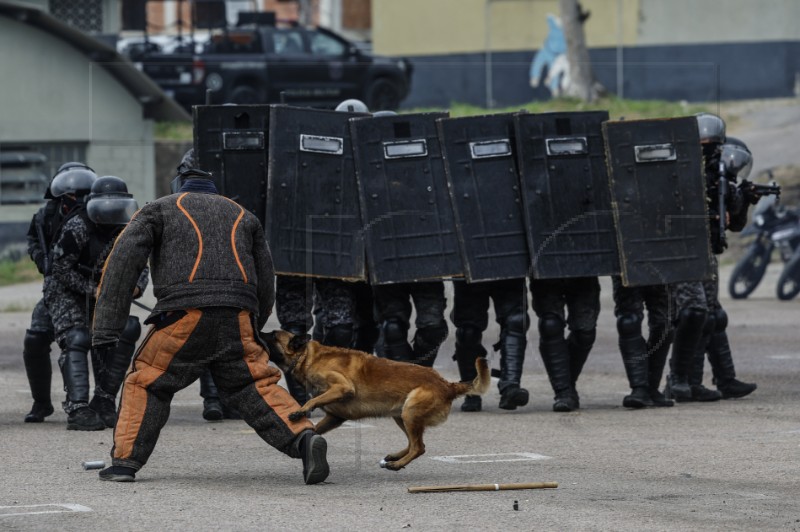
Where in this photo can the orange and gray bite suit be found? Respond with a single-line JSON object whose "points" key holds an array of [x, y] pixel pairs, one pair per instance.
{"points": [[213, 280]]}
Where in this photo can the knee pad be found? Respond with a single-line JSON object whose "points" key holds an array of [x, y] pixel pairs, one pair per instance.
{"points": [[469, 335], [77, 339], [584, 339], [710, 324], [517, 322], [692, 317], [721, 320], [551, 326], [395, 331], [434, 335], [37, 343], [339, 336], [133, 329], [629, 325]]}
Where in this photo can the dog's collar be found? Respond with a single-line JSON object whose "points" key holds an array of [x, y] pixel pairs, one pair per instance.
{"points": [[295, 363]]}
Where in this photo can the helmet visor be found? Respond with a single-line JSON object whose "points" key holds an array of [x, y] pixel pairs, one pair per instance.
{"points": [[111, 210], [737, 160]]}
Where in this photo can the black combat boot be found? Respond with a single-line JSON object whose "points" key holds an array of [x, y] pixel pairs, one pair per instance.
{"points": [[36, 356], [688, 337], [579, 344], [719, 356], [635, 358], [512, 356], [395, 341], [74, 364], [212, 406], [658, 344], [555, 356], [312, 449], [699, 393], [114, 364], [468, 350]]}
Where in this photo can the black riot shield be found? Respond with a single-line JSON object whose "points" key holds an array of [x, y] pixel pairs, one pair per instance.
{"points": [[566, 200], [481, 168], [408, 218], [231, 142], [658, 192], [313, 221]]}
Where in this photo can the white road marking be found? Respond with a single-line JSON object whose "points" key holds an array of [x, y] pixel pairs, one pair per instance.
{"points": [[486, 458], [790, 356], [6, 511]]}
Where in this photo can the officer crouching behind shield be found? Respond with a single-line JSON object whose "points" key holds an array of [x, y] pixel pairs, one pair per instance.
{"points": [[214, 283]]}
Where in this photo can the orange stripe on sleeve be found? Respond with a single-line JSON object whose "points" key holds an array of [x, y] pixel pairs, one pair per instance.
{"points": [[199, 236]]}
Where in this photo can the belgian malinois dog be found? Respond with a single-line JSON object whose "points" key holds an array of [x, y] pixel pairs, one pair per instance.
{"points": [[349, 384]]}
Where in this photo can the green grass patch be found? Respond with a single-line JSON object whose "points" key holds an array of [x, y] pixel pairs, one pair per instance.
{"points": [[15, 272], [181, 131], [617, 109]]}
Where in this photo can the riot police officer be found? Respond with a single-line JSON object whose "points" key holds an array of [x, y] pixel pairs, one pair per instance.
{"points": [[36, 345], [470, 317], [701, 321], [644, 360], [78, 252], [560, 304]]}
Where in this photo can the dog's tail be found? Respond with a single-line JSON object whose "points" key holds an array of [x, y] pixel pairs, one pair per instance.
{"points": [[480, 384]]}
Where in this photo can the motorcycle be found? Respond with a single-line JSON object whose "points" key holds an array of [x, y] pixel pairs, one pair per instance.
{"points": [[774, 226]]}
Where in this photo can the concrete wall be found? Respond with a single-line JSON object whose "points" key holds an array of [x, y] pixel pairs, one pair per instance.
{"points": [[51, 92], [699, 50]]}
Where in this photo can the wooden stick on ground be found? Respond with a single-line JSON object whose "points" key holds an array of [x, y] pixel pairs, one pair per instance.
{"points": [[484, 487]]}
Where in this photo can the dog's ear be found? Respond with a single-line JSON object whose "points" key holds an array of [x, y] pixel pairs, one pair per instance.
{"points": [[299, 342]]}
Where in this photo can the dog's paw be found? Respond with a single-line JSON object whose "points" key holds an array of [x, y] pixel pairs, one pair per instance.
{"points": [[297, 416]]}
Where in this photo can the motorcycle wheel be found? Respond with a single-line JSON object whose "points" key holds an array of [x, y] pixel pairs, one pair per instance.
{"points": [[749, 271], [789, 281]]}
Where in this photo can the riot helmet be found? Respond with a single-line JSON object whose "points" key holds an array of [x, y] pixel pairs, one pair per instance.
{"points": [[75, 180], [187, 161], [736, 158], [352, 106], [109, 202], [378, 114], [192, 173], [711, 128], [73, 164], [48, 194]]}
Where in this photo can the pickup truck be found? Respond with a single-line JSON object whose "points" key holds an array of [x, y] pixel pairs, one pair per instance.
{"points": [[269, 64]]}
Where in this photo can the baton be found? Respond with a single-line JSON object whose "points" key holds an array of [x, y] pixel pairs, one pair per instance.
{"points": [[484, 487], [142, 305]]}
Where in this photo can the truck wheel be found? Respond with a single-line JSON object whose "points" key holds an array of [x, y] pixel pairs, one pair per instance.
{"points": [[383, 95], [244, 94]]}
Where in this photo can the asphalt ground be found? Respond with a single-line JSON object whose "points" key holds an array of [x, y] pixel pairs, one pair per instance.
{"points": [[731, 465]]}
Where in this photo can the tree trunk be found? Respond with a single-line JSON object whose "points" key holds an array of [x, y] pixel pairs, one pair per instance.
{"points": [[581, 82]]}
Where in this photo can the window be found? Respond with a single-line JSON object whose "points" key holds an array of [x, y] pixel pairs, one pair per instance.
{"points": [[322, 44], [288, 42], [22, 177]]}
